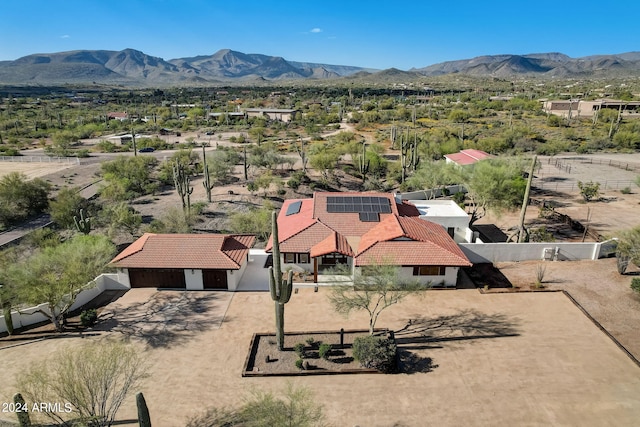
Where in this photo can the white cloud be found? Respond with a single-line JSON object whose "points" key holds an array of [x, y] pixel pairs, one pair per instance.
{"points": [[316, 30], [66, 36]]}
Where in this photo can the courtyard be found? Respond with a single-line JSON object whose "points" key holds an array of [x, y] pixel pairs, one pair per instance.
{"points": [[493, 359]]}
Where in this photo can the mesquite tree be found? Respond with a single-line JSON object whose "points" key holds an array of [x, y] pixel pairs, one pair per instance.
{"points": [[280, 289]]}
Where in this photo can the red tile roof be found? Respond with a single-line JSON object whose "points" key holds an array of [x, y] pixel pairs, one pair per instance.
{"points": [[409, 241], [319, 232], [201, 251], [468, 157], [333, 243]]}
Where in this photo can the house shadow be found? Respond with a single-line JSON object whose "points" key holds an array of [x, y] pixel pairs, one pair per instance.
{"points": [[420, 334], [166, 319]]}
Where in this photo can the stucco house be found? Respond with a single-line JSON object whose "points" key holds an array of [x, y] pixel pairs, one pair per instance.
{"points": [[361, 229], [184, 261], [467, 157]]}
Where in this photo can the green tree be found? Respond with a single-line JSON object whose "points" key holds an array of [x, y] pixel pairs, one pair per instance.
{"points": [[128, 177], [174, 220], [255, 221], [94, 379], [493, 184], [628, 249], [375, 288], [56, 275], [65, 206], [295, 408], [589, 190], [21, 198], [120, 217]]}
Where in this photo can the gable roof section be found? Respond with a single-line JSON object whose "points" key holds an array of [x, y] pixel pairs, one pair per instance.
{"points": [[421, 243], [201, 251], [468, 157], [291, 225], [333, 243]]}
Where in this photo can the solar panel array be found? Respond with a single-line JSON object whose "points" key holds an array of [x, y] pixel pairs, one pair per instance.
{"points": [[294, 208], [369, 207], [369, 216]]}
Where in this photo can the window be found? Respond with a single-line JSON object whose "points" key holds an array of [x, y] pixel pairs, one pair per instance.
{"points": [[303, 258], [293, 258], [451, 231], [429, 270]]}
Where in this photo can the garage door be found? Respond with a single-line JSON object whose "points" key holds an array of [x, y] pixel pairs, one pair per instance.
{"points": [[214, 279], [157, 278]]}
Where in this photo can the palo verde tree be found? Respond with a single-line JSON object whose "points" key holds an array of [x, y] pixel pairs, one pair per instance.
{"points": [[628, 249], [493, 185], [56, 275], [375, 288], [280, 289], [94, 380]]}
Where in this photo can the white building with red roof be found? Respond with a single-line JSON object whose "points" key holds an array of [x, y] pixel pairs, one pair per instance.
{"points": [[184, 261], [467, 157], [361, 229]]}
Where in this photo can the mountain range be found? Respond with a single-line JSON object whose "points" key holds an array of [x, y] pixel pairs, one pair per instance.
{"points": [[135, 68]]}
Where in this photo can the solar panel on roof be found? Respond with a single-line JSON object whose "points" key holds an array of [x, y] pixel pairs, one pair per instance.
{"points": [[369, 216], [331, 199], [294, 208]]}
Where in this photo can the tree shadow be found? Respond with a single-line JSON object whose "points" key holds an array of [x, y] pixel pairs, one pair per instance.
{"points": [[166, 319], [463, 326], [421, 334]]}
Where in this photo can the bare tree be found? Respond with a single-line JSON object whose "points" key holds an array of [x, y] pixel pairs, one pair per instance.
{"points": [[93, 381], [375, 288]]}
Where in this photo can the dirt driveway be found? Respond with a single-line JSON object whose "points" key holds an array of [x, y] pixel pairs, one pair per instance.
{"points": [[494, 359]]}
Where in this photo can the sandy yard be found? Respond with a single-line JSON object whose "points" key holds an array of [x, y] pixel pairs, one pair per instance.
{"points": [[494, 359], [33, 169]]}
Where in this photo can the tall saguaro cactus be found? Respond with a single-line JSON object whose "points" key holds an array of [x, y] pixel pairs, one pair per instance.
{"points": [[206, 183], [83, 224], [280, 289], [182, 181]]}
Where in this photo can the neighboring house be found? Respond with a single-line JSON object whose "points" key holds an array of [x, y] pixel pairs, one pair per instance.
{"points": [[467, 157], [184, 261], [361, 229], [122, 116], [588, 109], [283, 115]]}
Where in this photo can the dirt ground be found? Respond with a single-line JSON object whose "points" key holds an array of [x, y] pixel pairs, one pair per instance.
{"points": [[493, 359], [33, 169]]}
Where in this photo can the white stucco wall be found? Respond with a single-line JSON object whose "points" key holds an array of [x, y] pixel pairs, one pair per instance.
{"points": [[449, 279], [193, 279], [234, 276]]}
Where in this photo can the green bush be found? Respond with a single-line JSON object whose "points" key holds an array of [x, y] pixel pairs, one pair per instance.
{"points": [[89, 317], [626, 190], [324, 351], [293, 183], [635, 284], [299, 349], [375, 352], [300, 364]]}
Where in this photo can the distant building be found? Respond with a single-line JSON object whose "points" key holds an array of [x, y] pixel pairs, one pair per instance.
{"points": [[587, 109], [283, 115], [122, 116], [467, 157]]}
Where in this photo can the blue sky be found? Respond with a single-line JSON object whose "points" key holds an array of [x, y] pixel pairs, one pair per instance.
{"points": [[376, 34]]}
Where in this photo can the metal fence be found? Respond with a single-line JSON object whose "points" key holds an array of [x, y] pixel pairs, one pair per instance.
{"points": [[40, 159], [573, 185]]}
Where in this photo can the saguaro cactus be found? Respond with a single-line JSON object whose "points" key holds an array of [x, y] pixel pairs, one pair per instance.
{"points": [[21, 412], [363, 163], [181, 181], [206, 183], [280, 289], [143, 412], [82, 224]]}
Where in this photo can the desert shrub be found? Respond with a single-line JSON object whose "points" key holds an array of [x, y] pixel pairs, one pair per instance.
{"points": [[324, 350], [635, 284], [589, 190], [293, 183], [626, 190], [299, 349], [300, 364], [375, 352], [311, 341], [89, 317]]}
